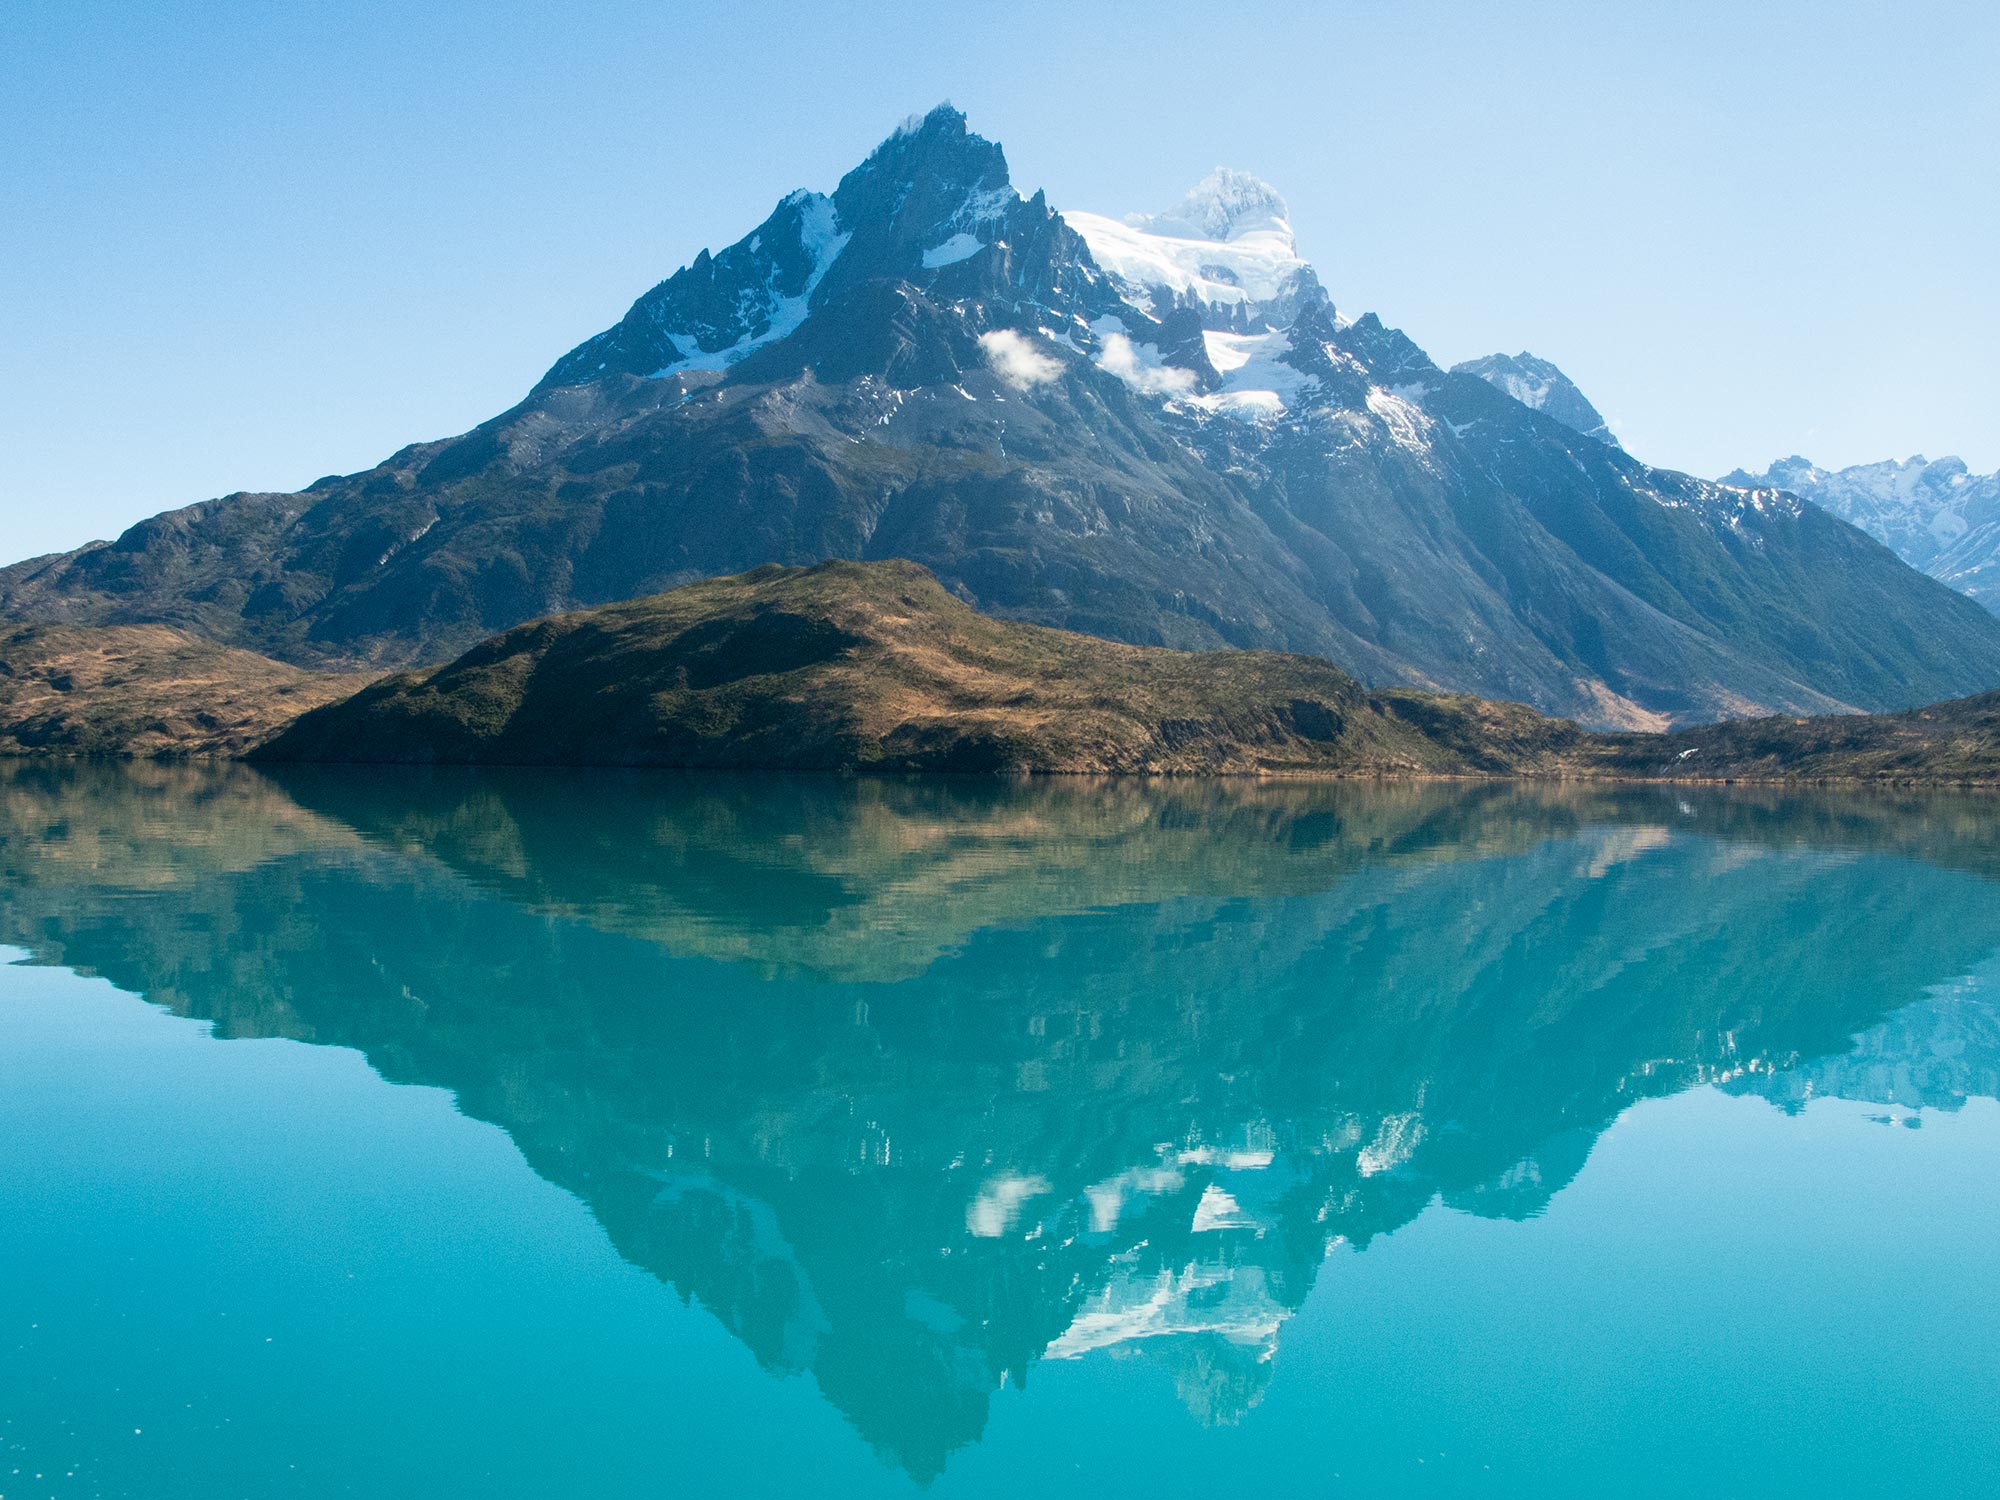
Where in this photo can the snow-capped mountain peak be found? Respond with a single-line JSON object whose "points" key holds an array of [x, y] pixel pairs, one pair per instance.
{"points": [[1916, 506], [932, 208], [1160, 432], [1540, 385], [1226, 251], [1225, 205]]}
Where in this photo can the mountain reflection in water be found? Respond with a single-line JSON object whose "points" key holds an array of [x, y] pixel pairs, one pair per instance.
{"points": [[915, 1084]]}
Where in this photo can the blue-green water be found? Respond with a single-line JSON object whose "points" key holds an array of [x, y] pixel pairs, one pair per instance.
{"points": [[541, 1135]]}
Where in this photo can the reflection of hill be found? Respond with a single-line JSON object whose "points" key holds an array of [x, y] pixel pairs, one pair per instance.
{"points": [[1132, 1059], [874, 878]]}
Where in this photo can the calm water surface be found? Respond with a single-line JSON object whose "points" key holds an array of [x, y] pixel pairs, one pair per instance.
{"points": [[541, 1135]]}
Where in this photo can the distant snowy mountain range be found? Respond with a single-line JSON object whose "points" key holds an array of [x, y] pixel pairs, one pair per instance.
{"points": [[1936, 515], [1155, 428]]}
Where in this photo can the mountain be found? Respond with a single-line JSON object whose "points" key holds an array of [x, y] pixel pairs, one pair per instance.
{"points": [[1937, 516], [1159, 432], [1225, 254], [1538, 384]]}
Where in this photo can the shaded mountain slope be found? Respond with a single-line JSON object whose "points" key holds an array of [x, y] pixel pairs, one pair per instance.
{"points": [[923, 364], [1937, 516]]}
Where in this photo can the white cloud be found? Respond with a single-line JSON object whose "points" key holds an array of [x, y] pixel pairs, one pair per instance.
{"points": [[1018, 362], [1140, 367]]}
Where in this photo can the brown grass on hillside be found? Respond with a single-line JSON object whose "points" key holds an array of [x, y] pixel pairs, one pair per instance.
{"points": [[145, 690]]}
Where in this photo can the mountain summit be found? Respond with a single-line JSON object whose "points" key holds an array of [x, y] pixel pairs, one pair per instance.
{"points": [[1538, 384], [1225, 205], [1225, 252], [1156, 430], [932, 208]]}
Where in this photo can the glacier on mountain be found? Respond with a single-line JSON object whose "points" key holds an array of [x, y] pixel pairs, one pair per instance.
{"points": [[1226, 250], [1257, 380]]}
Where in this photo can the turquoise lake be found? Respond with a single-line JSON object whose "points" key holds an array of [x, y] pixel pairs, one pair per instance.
{"points": [[535, 1134]]}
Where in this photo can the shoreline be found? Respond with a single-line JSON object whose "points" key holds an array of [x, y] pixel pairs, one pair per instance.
{"points": [[857, 773]]}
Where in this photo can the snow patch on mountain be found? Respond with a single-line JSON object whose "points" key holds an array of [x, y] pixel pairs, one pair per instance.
{"points": [[1228, 247], [1539, 385], [1257, 382], [961, 246], [1407, 423], [781, 315], [1527, 391]]}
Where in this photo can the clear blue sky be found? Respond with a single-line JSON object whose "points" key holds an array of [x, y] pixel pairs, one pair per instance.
{"points": [[243, 246]]}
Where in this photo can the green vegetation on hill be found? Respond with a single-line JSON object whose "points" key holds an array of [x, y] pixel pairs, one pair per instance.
{"points": [[1957, 741], [876, 667]]}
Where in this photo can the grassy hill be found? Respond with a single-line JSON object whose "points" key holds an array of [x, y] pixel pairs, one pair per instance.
{"points": [[876, 667], [145, 690], [862, 666]]}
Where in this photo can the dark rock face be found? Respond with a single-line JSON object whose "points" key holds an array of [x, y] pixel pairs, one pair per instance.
{"points": [[925, 365], [932, 208]]}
